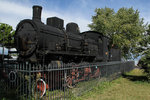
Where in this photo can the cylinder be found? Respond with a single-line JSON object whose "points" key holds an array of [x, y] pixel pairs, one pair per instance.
{"points": [[37, 13]]}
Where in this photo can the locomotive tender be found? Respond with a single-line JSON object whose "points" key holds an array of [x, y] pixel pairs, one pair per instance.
{"points": [[36, 41]]}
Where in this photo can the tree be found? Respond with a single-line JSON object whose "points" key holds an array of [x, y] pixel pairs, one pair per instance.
{"points": [[124, 27], [6, 35], [144, 49]]}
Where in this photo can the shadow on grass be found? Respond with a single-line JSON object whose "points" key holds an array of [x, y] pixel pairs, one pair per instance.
{"points": [[8, 97], [136, 78], [6, 92]]}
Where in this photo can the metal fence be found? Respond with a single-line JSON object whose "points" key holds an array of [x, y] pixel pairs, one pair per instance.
{"points": [[25, 81]]}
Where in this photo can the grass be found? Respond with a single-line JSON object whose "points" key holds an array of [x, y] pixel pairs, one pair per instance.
{"points": [[132, 86]]}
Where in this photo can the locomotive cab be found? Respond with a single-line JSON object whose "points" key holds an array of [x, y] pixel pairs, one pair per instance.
{"points": [[97, 45]]}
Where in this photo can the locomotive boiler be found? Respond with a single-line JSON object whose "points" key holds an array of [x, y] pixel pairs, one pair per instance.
{"points": [[38, 42]]}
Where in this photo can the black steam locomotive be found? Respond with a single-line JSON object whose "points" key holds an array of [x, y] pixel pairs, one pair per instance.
{"points": [[37, 42]]}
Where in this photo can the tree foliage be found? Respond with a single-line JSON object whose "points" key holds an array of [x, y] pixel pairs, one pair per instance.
{"points": [[144, 49], [144, 63], [6, 35], [124, 27]]}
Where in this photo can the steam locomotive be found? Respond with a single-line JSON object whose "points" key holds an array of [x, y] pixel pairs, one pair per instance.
{"points": [[38, 42]]}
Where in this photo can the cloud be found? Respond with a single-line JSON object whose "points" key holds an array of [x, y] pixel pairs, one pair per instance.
{"points": [[146, 17], [81, 21], [12, 13], [14, 8]]}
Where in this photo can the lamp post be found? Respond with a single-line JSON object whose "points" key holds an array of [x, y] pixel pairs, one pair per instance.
{"points": [[3, 48]]}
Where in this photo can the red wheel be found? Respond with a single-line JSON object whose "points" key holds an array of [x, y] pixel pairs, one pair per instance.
{"points": [[39, 89]]}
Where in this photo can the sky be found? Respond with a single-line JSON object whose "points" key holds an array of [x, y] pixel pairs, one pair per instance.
{"points": [[78, 11]]}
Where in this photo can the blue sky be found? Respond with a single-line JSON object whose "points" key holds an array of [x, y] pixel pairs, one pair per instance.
{"points": [[79, 11]]}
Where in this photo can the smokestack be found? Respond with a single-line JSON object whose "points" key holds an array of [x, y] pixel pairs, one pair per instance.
{"points": [[37, 13]]}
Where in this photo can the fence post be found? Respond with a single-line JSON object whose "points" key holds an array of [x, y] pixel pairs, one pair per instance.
{"points": [[29, 81]]}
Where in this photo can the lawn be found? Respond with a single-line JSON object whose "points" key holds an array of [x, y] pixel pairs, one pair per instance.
{"points": [[131, 86]]}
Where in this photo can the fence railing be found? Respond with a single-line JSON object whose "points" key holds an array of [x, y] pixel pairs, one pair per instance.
{"points": [[25, 81]]}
